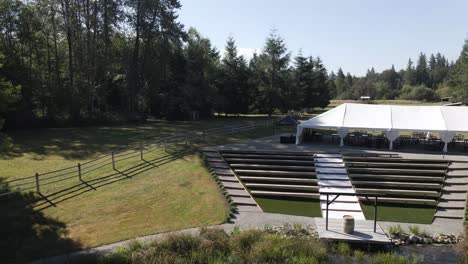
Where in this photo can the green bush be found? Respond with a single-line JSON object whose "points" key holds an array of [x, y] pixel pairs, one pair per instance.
{"points": [[252, 246], [419, 93], [395, 230]]}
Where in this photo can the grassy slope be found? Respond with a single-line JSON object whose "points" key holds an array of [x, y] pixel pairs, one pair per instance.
{"points": [[172, 196], [303, 207], [409, 214]]}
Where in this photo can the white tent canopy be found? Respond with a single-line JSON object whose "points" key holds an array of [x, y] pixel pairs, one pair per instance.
{"points": [[446, 120]]}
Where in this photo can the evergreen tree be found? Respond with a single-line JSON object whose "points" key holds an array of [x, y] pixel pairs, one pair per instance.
{"points": [[422, 74], [234, 91], [274, 86], [340, 83]]}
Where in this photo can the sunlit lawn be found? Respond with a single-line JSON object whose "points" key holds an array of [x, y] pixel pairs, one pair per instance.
{"points": [[168, 191]]}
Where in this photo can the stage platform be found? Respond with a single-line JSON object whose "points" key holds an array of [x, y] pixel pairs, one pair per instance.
{"points": [[363, 232]]}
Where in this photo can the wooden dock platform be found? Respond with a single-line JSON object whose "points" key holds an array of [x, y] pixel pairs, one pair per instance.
{"points": [[363, 232]]}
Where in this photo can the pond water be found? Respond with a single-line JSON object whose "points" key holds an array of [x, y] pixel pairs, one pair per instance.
{"points": [[433, 254]]}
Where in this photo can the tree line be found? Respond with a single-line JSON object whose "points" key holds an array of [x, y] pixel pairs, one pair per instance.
{"points": [[69, 62], [428, 80]]}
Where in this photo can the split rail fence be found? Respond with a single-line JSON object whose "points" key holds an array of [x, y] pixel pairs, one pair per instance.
{"points": [[38, 181]]}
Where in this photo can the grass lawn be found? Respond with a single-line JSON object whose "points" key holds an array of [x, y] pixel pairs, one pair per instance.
{"points": [[303, 207], [400, 213], [166, 192]]}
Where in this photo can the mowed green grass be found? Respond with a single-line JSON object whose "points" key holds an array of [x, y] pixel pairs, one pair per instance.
{"points": [[168, 191], [400, 213], [302, 207]]}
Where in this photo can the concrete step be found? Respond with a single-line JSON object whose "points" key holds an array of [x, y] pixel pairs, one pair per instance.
{"points": [[331, 176], [419, 185], [340, 214], [451, 204], [329, 165], [459, 166], [285, 194], [341, 198], [281, 187], [334, 183], [270, 161], [278, 179], [327, 155], [212, 155], [237, 192], [243, 201], [248, 208], [395, 165], [331, 170], [225, 172], [228, 179], [453, 196], [329, 160], [398, 177], [456, 180], [275, 173], [408, 192], [455, 188], [263, 156], [460, 173], [271, 167], [233, 185], [215, 160], [356, 170], [218, 165], [450, 213], [336, 190]]}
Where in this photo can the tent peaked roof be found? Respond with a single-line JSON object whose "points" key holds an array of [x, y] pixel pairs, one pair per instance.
{"points": [[287, 121], [392, 117]]}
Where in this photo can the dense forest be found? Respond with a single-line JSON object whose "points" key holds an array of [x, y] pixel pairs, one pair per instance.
{"points": [[78, 62]]}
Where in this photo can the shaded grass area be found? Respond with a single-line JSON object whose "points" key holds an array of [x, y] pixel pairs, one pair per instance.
{"points": [[302, 207], [400, 213]]}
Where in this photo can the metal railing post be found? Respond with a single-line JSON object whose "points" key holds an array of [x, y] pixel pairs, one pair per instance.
{"points": [[79, 172], [113, 160], [375, 214], [37, 183], [326, 219]]}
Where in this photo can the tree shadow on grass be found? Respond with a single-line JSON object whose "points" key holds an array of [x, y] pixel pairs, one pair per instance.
{"points": [[73, 191], [27, 234], [85, 142]]}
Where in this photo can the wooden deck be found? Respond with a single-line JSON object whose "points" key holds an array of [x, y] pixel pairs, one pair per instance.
{"points": [[363, 232]]}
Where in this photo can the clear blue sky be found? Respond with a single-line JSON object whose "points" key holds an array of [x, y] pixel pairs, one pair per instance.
{"points": [[354, 35]]}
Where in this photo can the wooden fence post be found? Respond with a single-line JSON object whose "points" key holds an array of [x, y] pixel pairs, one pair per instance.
{"points": [[79, 172], [37, 183], [113, 160], [141, 151]]}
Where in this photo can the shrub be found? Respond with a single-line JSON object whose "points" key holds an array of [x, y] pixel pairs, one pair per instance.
{"points": [[396, 230], [388, 258], [420, 93], [344, 248], [415, 230]]}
